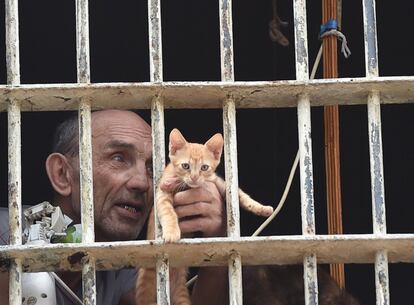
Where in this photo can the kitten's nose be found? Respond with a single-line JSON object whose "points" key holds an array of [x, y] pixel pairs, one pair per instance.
{"points": [[194, 177]]}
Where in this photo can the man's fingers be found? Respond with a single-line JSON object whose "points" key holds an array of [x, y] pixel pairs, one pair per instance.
{"points": [[195, 209], [193, 195]]}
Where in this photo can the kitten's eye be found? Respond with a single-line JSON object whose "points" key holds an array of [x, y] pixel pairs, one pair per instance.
{"points": [[185, 166], [204, 167]]}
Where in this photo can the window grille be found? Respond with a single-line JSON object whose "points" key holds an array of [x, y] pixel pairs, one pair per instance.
{"points": [[379, 248]]}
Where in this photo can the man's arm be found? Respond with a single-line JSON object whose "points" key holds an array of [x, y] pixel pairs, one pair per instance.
{"points": [[4, 288], [203, 210]]}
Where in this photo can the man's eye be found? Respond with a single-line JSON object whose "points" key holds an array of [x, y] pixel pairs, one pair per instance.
{"points": [[185, 166], [118, 158], [204, 167]]}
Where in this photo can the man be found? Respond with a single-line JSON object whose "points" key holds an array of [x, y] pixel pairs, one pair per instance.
{"points": [[123, 196]]}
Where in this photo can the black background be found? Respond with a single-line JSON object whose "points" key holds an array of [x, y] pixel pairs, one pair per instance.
{"points": [[267, 138]]}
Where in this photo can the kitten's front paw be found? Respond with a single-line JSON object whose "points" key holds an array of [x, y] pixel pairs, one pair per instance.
{"points": [[171, 236], [266, 211]]}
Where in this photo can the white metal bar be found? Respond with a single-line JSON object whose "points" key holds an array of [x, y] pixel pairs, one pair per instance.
{"points": [[305, 152], [370, 38], [86, 175], [348, 91], [230, 150], [301, 40], [89, 281], [158, 146], [355, 248], [375, 149], [155, 40], [157, 117], [163, 280], [382, 278], [82, 41], [14, 148], [12, 42], [376, 161], [226, 41]]}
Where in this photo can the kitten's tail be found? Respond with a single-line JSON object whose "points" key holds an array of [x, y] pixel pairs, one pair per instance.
{"points": [[245, 200]]}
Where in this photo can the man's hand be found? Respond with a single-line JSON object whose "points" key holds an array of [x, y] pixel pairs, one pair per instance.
{"points": [[201, 210]]}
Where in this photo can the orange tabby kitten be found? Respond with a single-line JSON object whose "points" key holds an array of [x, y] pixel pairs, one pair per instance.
{"points": [[191, 165]]}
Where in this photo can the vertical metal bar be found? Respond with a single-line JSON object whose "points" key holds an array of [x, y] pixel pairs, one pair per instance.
{"points": [[155, 40], [158, 145], [158, 142], [82, 41], [85, 151], [12, 42], [375, 149], [226, 41], [230, 150], [370, 38], [305, 151], [301, 40], [163, 280], [14, 148]]}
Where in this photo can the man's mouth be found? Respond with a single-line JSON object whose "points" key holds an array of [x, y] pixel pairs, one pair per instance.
{"points": [[130, 209]]}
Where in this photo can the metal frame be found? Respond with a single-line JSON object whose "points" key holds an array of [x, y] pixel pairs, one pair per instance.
{"points": [[379, 248]]}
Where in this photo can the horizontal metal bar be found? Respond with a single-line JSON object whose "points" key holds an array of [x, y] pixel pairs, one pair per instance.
{"points": [[344, 91], [358, 248]]}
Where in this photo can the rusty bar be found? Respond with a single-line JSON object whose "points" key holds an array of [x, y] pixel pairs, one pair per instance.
{"points": [[226, 41], [163, 280], [12, 42], [82, 41], [332, 148], [158, 146], [155, 40], [281, 250], [202, 95]]}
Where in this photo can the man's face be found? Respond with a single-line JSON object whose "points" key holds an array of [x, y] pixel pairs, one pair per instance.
{"points": [[122, 179]]}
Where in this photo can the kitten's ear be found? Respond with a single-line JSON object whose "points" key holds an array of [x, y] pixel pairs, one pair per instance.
{"points": [[177, 141], [215, 145]]}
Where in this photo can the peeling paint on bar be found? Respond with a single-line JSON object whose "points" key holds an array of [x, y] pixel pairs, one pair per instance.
{"points": [[235, 283], [310, 276], [306, 171], [89, 281], [370, 38], [381, 278], [230, 161], [158, 148], [82, 41], [355, 248], [155, 40], [86, 175], [226, 41], [376, 160], [15, 282], [12, 42], [163, 280], [301, 40], [202, 95]]}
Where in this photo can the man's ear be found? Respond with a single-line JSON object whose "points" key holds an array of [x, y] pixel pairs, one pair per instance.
{"points": [[60, 174]]}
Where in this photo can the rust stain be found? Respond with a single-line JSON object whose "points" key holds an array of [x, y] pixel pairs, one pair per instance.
{"points": [[76, 258]]}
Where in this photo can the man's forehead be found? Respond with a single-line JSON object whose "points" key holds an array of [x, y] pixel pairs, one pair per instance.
{"points": [[141, 147]]}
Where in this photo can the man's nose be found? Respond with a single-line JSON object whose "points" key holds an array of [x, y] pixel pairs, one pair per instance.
{"points": [[139, 179]]}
